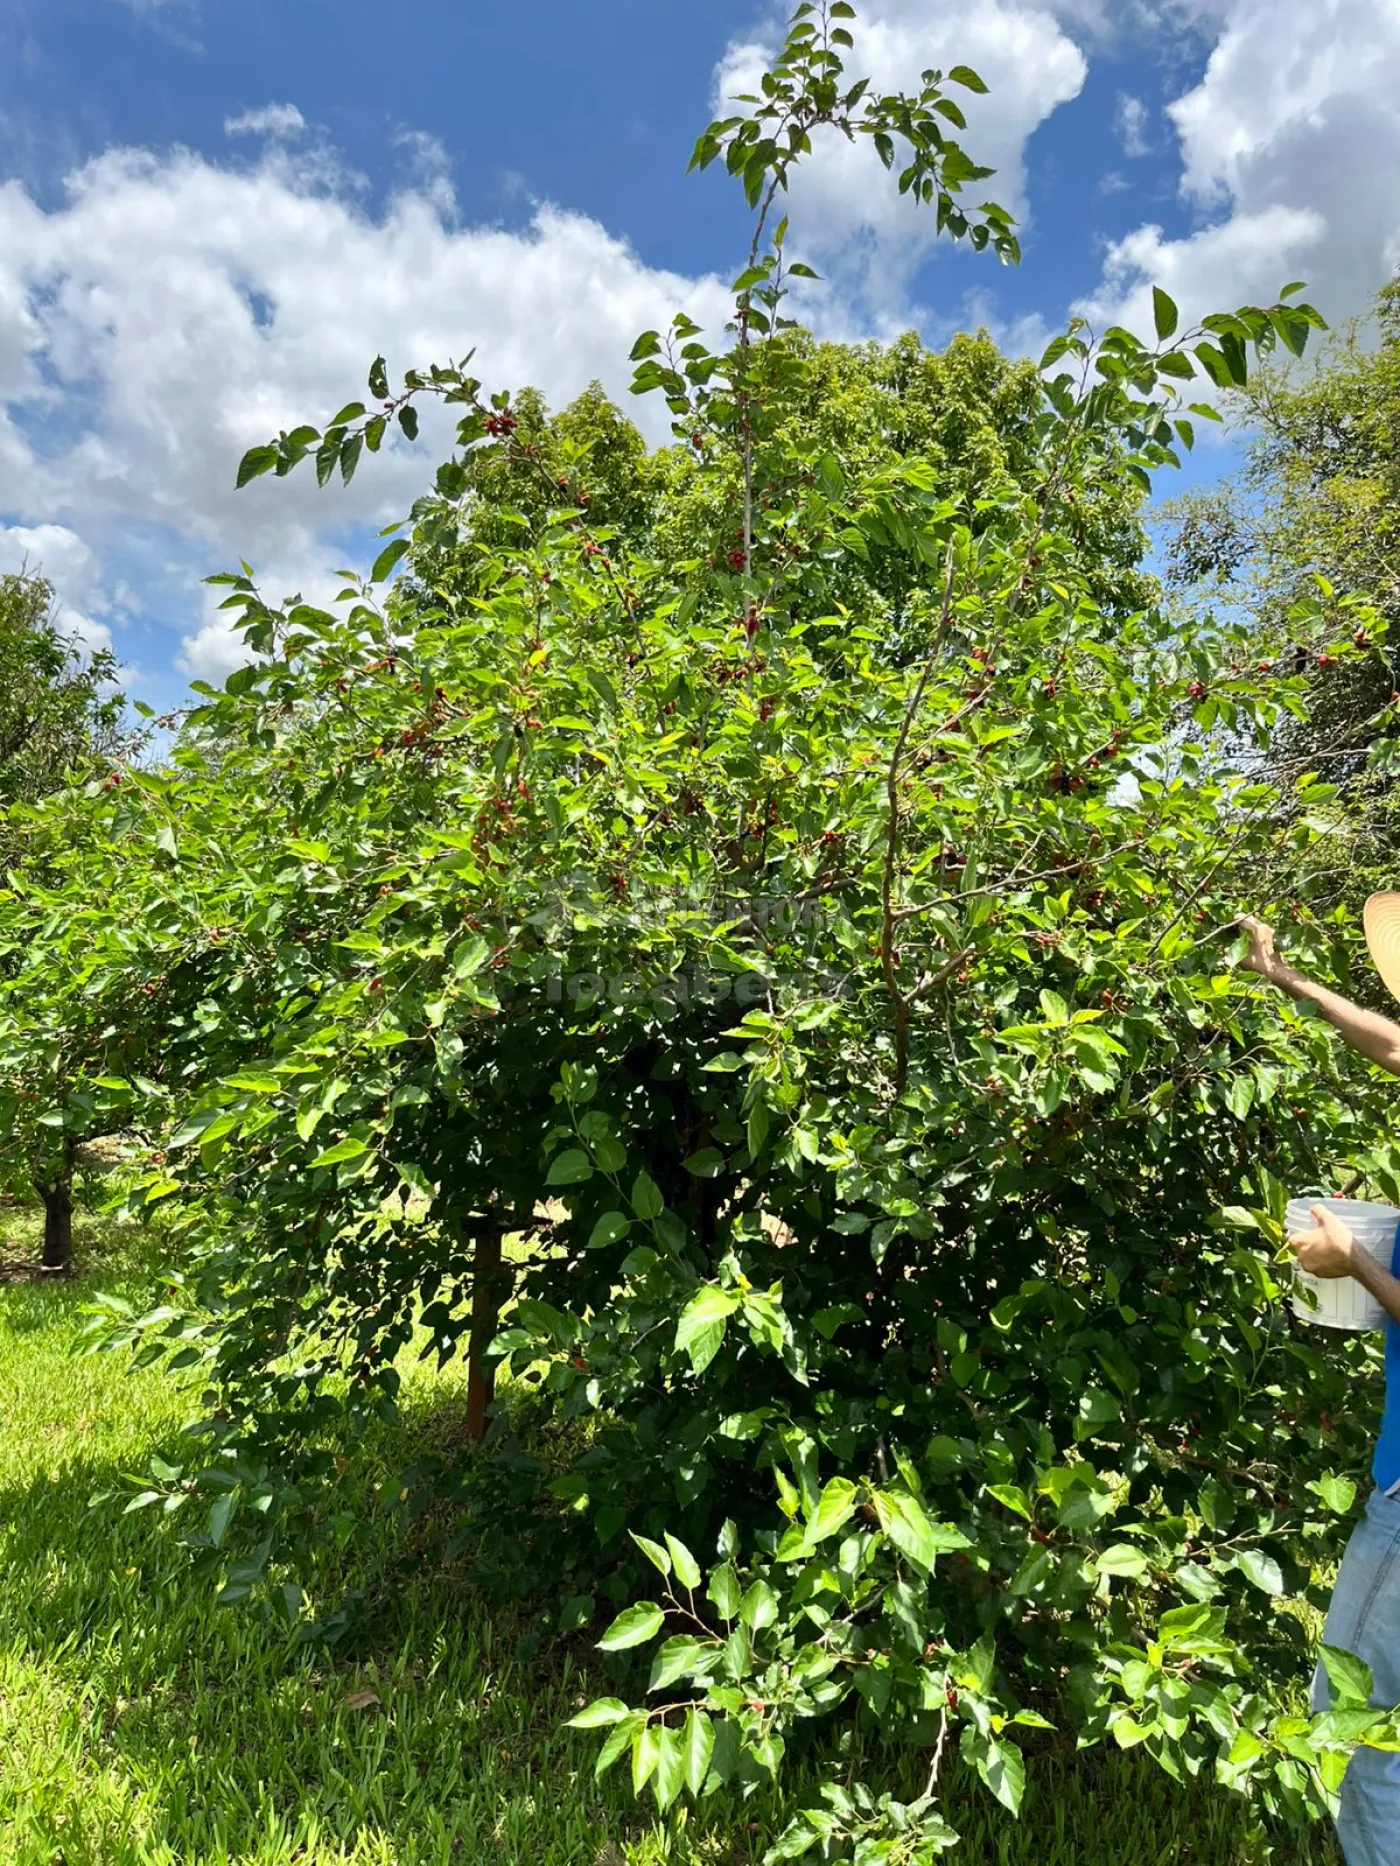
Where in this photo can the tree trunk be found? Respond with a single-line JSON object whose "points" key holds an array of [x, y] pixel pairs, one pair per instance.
{"points": [[58, 1226], [487, 1292]]}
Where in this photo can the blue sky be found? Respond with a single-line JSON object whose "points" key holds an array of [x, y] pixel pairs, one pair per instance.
{"points": [[214, 212]]}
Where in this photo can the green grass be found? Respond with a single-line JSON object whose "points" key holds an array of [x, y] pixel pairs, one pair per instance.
{"points": [[142, 1726]]}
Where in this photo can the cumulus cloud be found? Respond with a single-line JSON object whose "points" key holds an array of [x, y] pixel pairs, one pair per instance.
{"points": [[871, 239], [1289, 145], [270, 120], [170, 313], [62, 558]]}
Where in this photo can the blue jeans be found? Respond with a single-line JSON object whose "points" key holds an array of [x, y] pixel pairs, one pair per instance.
{"points": [[1365, 1619]]}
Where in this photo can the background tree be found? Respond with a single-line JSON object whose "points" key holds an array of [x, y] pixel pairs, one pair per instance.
{"points": [[60, 715], [969, 413], [1318, 498], [59, 706]]}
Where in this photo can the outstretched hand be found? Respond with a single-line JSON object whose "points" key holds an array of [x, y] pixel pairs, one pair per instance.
{"points": [[1327, 1251], [1261, 957]]}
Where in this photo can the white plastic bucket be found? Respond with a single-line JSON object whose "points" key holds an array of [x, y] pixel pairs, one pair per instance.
{"points": [[1340, 1301]]}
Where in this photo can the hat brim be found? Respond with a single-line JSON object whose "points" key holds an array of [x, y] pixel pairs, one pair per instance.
{"points": [[1382, 922]]}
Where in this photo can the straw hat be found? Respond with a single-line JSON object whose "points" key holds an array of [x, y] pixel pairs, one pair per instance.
{"points": [[1382, 920]]}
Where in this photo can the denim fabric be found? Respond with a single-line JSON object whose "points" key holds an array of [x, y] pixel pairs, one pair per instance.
{"points": [[1365, 1619], [1386, 1469]]}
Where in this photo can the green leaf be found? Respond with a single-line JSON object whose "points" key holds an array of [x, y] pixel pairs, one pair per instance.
{"points": [[676, 1659], [647, 1201], [1216, 1505], [1124, 1559], [1351, 1680], [469, 958], [646, 1751], [1192, 1629], [1004, 1772], [759, 1607], [1054, 1009], [1012, 1497], [1337, 1493], [348, 1149], [723, 1592], [835, 1508], [700, 1330], [220, 1512], [654, 1553], [968, 79], [570, 1168], [758, 1128], [388, 557], [707, 1164], [697, 1748], [1262, 1570], [257, 461], [601, 1714], [905, 1521], [378, 379], [687, 1568], [610, 1229], [623, 1736], [1238, 1218], [1097, 1409], [668, 1776], [634, 1626], [1164, 314]]}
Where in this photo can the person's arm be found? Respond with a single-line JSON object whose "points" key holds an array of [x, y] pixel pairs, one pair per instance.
{"points": [[1371, 1035], [1332, 1251]]}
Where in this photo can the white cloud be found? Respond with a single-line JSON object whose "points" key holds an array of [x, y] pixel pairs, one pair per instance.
{"points": [[870, 239], [1290, 144], [62, 558], [172, 312], [270, 120], [1132, 119]]}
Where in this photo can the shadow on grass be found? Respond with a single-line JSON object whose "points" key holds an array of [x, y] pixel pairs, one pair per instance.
{"points": [[99, 1247], [141, 1725]]}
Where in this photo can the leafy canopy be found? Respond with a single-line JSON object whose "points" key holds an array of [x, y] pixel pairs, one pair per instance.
{"points": [[816, 956]]}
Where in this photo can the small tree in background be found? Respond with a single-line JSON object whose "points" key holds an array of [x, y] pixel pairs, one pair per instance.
{"points": [[60, 711], [1317, 508], [60, 715]]}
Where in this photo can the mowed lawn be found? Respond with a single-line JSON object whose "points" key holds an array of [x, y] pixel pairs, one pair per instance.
{"points": [[140, 1725]]}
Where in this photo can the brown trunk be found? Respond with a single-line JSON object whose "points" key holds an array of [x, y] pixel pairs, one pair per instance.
{"points": [[487, 1292], [58, 1227]]}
